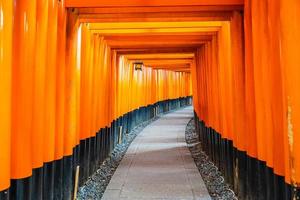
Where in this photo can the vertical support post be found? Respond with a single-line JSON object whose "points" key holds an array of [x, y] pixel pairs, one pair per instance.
{"points": [[76, 183], [120, 134]]}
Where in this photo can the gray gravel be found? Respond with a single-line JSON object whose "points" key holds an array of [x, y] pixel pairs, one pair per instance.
{"points": [[96, 184], [217, 187]]}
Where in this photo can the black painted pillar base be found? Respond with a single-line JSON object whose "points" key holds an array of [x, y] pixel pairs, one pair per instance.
{"points": [[55, 180], [20, 189], [250, 178], [37, 183], [68, 180]]}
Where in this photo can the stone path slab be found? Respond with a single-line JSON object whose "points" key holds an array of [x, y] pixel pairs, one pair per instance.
{"points": [[158, 164]]}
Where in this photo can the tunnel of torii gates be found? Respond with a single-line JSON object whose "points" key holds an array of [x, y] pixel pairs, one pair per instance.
{"points": [[71, 76]]}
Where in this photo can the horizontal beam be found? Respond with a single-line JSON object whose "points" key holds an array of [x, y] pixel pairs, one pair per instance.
{"points": [[155, 17], [140, 33], [160, 56], [121, 51], [152, 25], [160, 9], [160, 38], [156, 47], [95, 18], [148, 44], [157, 14], [175, 67], [168, 62], [149, 31], [150, 3]]}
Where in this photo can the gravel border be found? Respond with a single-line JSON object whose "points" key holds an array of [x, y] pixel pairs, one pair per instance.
{"points": [[95, 186], [213, 179]]}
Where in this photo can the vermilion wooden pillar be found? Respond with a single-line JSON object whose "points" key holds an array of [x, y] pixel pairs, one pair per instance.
{"points": [[6, 33]]}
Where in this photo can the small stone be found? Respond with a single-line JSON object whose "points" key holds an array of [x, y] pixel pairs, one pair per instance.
{"points": [[96, 184], [215, 182]]}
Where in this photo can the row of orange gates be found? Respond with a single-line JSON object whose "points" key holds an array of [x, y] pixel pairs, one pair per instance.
{"points": [[64, 97], [247, 100], [58, 106]]}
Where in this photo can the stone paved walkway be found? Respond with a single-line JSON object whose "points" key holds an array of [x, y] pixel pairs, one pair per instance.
{"points": [[158, 165]]}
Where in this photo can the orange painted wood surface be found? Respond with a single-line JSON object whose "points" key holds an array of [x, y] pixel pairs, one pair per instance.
{"points": [[23, 51], [6, 35], [130, 3], [66, 73]]}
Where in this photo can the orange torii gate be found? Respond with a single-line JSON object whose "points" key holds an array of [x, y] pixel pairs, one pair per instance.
{"points": [[67, 81]]}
